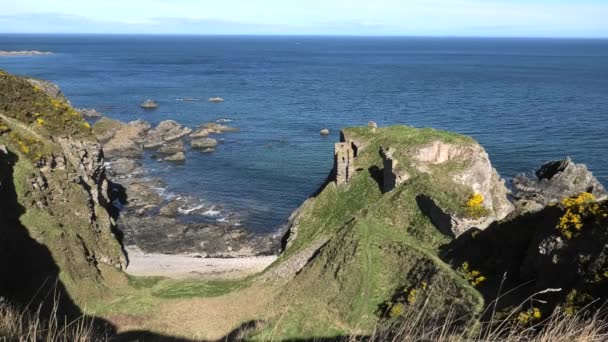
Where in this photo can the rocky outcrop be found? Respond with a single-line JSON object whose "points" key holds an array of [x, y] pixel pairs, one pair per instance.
{"points": [[172, 147], [176, 157], [204, 143], [166, 131], [149, 104], [554, 181], [89, 112], [49, 88], [119, 139], [476, 173]]}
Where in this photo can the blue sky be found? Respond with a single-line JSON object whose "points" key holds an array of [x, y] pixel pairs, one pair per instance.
{"points": [[519, 18]]}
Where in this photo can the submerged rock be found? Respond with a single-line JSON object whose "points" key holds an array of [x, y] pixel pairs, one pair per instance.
{"points": [[554, 181]]}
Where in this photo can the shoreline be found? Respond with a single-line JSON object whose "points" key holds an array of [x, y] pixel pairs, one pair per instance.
{"points": [[193, 266]]}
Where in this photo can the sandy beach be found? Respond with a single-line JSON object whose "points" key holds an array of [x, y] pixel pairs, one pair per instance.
{"points": [[185, 266]]}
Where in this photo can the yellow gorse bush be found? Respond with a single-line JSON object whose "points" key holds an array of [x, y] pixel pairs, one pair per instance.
{"points": [[475, 200], [529, 316], [411, 296], [579, 210], [474, 206], [474, 277]]}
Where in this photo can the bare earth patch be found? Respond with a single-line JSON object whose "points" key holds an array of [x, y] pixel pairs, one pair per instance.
{"points": [[183, 266]]}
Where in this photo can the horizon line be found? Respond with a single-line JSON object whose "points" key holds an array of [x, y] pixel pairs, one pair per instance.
{"points": [[301, 35]]}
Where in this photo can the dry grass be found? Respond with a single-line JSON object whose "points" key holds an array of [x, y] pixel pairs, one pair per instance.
{"points": [[24, 325], [422, 325]]}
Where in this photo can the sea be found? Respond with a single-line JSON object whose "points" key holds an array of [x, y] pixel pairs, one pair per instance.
{"points": [[527, 101]]}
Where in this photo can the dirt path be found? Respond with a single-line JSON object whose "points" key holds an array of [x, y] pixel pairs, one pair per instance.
{"points": [[190, 266]]}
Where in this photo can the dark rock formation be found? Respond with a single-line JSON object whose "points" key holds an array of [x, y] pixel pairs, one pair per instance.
{"points": [[554, 181]]}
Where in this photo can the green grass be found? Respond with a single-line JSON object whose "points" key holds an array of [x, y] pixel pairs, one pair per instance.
{"points": [[196, 288]]}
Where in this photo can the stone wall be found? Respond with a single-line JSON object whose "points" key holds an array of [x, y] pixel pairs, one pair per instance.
{"points": [[344, 162]]}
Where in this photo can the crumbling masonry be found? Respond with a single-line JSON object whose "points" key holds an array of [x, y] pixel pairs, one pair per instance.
{"points": [[344, 162]]}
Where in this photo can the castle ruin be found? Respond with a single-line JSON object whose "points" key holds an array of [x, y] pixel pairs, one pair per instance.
{"points": [[344, 162]]}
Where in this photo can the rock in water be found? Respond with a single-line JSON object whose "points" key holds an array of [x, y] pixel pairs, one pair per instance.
{"points": [[205, 143], [120, 139], [172, 148], [324, 131], [179, 156], [555, 180], [89, 113], [149, 104], [166, 131], [216, 99]]}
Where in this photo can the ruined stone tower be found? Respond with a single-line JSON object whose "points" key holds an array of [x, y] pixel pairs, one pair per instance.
{"points": [[392, 177], [344, 162]]}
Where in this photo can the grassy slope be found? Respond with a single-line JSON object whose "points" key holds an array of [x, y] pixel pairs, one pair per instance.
{"points": [[378, 244]]}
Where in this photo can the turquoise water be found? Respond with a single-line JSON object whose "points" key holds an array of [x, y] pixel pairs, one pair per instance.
{"points": [[525, 100]]}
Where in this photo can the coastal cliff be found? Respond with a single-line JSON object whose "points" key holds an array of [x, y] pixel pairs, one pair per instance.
{"points": [[54, 195]]}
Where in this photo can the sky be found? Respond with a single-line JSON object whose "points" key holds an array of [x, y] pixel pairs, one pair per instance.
{"points": [[491, 18]]}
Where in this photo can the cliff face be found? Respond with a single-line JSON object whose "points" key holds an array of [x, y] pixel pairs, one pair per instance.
{"points": [[54, 192]]}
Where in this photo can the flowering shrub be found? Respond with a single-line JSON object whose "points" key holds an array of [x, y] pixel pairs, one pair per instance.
{"points": [[580, 209], [40, 121], [409, 297], [529, 316], [474, 206], [474, 277]]}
